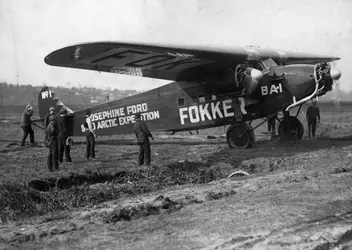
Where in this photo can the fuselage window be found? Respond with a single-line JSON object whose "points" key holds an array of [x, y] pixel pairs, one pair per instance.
{"points": [[181, 101], [202, 99], [194, 99], [213, 97]]}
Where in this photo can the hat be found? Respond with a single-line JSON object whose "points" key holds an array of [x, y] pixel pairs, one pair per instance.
{"points": [[51, 109], [63, 110], [52, 118], [88, 112], [137, 116]]}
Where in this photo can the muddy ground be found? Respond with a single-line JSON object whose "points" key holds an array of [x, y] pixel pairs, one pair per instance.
{"points": [[297, 195]]}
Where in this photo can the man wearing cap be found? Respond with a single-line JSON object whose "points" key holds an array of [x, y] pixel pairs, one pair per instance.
{"points": [[313, 116], [46, 118], [62, 124], [90, 136], [52, 143], [142, 133], [26, 126]]}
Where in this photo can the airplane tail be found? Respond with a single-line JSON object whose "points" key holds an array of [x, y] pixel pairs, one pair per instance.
{"points": [[47, 99]]}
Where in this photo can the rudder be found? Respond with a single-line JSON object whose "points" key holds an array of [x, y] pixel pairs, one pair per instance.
{"points": [[47, 99]]}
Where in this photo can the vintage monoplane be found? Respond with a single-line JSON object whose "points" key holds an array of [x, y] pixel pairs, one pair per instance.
{"points": [[211, 87]]}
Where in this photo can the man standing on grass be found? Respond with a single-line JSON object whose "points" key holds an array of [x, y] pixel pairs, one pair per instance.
{"points": [[140, 129], [27, 126], [46, 118], [313, 116], [52, 143], [62, 124], [90, 136]]}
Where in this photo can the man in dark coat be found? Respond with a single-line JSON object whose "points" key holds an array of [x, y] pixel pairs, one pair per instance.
{"points": [[142, 133], [51, 112], [62, 124], [313, 116], [52, 143], [26, 126], [46, 118]]}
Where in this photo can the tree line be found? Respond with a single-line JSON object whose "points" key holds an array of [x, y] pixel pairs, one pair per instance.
{"points": [[11, 94]]}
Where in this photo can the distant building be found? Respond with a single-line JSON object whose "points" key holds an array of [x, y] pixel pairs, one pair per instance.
{"points": [[93, 100]]}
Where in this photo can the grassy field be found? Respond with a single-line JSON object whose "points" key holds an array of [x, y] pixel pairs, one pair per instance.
{"points": [[115, 194]]}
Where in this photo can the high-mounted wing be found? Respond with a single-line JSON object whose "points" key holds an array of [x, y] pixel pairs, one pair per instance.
{"points": [[177, 63]]}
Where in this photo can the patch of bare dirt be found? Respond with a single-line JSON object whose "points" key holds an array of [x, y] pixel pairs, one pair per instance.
{"points": [[296, 196]]}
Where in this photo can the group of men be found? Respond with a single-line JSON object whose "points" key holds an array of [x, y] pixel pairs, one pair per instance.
{"points": [[312, 116], [58, 141], [57, 138], [56, 135]]}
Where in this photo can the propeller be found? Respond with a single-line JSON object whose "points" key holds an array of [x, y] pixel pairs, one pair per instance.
{"points": [[336, 99], [337, 92], [334, 72]]}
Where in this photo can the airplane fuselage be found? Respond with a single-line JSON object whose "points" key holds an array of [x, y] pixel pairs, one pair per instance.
{"points": [[182, 106]]}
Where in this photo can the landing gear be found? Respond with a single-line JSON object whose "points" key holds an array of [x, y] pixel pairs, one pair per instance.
{"points": [[240, 136], [290, 128]]}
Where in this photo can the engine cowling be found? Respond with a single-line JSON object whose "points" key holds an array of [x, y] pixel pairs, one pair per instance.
{"points": [[248, 78]]}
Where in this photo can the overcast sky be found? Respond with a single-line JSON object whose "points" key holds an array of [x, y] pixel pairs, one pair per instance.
{"points": [[31, 29]]}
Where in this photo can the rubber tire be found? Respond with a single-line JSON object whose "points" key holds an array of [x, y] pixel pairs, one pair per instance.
{"points": [[298, 127], [240, 128]]}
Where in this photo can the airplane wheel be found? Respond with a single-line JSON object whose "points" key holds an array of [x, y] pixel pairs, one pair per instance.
{"points": [[293, 131], [240, 136]]}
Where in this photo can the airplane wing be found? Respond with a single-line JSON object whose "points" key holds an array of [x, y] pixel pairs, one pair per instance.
{"points": [[176, 63]]}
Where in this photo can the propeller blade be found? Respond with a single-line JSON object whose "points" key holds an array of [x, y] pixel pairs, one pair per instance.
{"points": [[337, 95]]}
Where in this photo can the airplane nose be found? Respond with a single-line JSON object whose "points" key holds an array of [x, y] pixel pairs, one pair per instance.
{"points": [[335, 74]]}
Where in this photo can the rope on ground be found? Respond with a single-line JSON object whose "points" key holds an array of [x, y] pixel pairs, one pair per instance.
{"points": [[239, 172]]}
